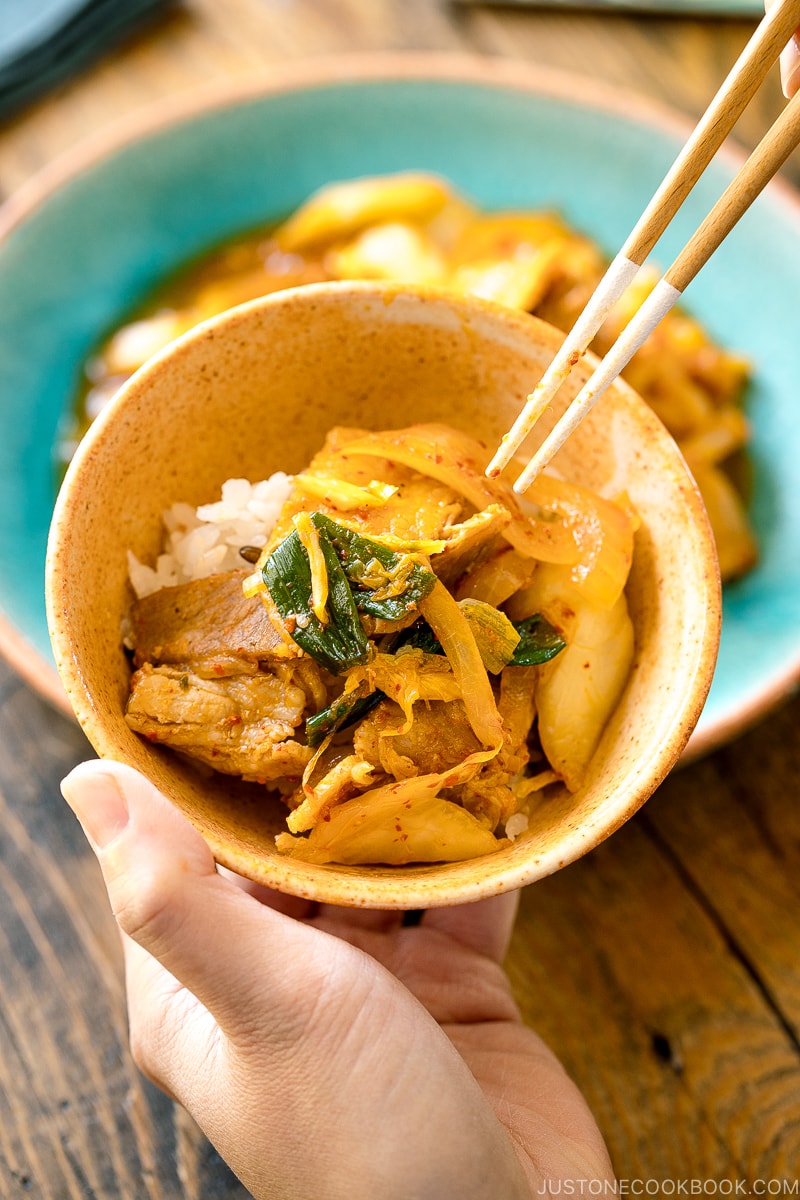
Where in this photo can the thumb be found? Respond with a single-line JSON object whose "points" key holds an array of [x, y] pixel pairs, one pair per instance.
{"points": [[235, 955]]}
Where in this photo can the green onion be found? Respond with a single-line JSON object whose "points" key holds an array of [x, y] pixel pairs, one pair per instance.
{"points": [[344, 711], [362, 559], [418, 636], [339, 644], [539, 642]]}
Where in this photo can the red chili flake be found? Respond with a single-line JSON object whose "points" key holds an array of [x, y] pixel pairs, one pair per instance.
{"points": [[219, 669], [437, 458], [290, 624], [574, 358]]}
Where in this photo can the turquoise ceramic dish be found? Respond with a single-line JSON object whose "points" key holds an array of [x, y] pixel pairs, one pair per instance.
{"points": [[82, 244]]}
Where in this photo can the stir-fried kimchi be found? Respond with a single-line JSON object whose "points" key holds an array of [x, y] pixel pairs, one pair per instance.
{"points": [[412, 657]]}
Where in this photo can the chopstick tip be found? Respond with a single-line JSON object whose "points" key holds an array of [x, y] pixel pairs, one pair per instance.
{"points": [[501, 457], [526, 477]]}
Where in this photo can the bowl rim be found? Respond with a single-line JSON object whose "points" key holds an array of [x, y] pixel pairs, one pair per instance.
{"points": [[396, 891], [501, 74]]}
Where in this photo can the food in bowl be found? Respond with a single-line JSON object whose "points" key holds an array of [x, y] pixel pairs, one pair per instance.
{"points": [[415, 228], [410, 638]]}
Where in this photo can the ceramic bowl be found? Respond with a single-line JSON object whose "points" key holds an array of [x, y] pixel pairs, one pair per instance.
{"points": [[255, 391]]}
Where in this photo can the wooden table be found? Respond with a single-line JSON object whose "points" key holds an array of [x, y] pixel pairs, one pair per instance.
{"points": [[664, 968]]}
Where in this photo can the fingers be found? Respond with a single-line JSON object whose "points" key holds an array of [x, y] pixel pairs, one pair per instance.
{"points": [[485, 926], [292, 906], [169, 1030], [377, 920], [175, 1041], [238, 957], [327, 916], [790, 61], [790, 67]]}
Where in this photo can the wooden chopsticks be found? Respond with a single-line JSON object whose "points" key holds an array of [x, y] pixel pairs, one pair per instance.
{"points": [[739, 87]]}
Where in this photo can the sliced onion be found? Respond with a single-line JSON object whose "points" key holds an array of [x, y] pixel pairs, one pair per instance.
{"points": [[457, 640]]}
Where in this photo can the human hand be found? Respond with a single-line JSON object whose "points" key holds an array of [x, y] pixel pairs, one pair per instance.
{"points": [[790, 62], [790, 66], [329, 1052]]}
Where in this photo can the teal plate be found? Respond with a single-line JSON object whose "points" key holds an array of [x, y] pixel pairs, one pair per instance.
{"points": [[87, 240]]}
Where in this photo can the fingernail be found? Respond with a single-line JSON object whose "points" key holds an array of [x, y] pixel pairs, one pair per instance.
{"points": [[97, 801]]}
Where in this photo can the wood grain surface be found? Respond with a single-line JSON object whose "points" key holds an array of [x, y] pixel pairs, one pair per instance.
{"points": [[663, 968]]}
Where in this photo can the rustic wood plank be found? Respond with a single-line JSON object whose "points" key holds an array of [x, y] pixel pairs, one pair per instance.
{"points": [[670, 61], [732, 823], [662, 969], [205, 42], [76, 1117]]}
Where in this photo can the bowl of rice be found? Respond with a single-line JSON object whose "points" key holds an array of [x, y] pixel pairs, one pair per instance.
{"points": [[195, 459]]}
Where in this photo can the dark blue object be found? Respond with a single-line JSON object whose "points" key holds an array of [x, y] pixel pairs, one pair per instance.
{"points": [[43, 42]]}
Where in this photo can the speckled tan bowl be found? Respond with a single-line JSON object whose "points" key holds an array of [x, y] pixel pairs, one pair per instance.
{"points": [[255, 391]]}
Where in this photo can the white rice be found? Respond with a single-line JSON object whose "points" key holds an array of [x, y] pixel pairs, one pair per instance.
{"points": [[203, 541], [516, 824]]}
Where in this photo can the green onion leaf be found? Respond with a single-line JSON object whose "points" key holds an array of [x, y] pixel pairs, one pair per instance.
{"points": [[362, 559], [538, 642], [337, 645], [418, 636], [344, 711]]}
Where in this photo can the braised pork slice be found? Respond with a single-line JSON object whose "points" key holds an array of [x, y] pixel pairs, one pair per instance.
{"points": [[242, 725], [439, 738], [208, 624]]}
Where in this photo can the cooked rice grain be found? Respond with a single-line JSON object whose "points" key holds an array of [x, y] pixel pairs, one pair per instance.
{"points": [[203, 541]]}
